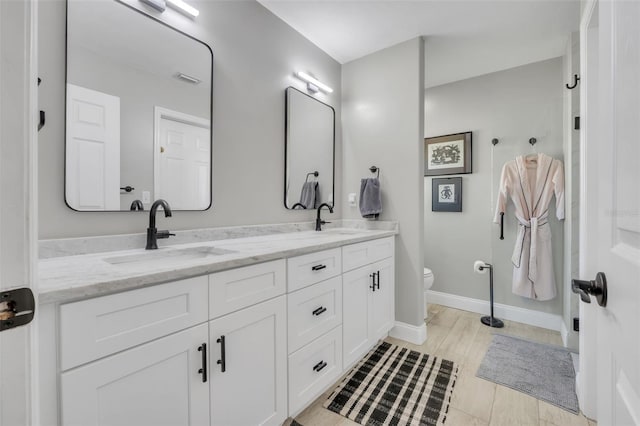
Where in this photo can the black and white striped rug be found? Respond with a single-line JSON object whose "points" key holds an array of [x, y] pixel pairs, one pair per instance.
{"points": [[396, 386]]}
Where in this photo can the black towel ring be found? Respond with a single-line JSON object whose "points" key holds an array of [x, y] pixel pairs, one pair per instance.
{"points": [[309, 174], [375, 169]]}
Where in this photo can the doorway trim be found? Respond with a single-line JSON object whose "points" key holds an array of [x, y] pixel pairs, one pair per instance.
{"points": [[586, 381]]}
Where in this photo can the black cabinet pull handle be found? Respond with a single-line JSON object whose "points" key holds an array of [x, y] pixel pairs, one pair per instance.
{"points": [[373, 281], [319, 366], [377, 280], [318, 267], [203, 348], [321, 310], [502, 225], [222, 362]]}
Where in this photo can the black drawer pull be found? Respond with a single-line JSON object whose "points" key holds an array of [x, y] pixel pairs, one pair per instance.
{"points": [[373, 281], [319, 366], [318, 267], [223, 356], [321, 310], [377, 281], [203, 348]]}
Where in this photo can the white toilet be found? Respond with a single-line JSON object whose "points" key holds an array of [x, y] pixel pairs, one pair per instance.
{"points": [[428, 282]]}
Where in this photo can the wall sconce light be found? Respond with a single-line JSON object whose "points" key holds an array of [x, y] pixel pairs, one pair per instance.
{"points": [[178, 5], [313, 84]]}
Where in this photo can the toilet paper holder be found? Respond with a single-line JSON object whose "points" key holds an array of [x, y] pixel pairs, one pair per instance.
{"points": [[489, 320]]}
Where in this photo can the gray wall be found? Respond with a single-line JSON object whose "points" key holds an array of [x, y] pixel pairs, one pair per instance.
{"points": [[513, 106], [382, 118], [253, 64]]}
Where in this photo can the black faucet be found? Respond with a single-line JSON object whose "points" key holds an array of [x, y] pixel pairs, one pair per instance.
{"points": [[152, 233], [320, 222], [136, 205]]}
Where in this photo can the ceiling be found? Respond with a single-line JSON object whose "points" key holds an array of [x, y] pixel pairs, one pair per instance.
{"points": [[465, 38]]}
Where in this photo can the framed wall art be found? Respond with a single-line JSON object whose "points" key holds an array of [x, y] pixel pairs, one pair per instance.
{"points": [[446, 194], [447, 155]]}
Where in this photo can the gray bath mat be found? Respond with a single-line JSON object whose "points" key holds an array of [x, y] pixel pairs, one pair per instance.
{"points": [[396, 386], [542, 371]]}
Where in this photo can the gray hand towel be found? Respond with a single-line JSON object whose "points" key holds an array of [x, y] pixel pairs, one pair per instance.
{"points": [[309, 195], [370, 198]]}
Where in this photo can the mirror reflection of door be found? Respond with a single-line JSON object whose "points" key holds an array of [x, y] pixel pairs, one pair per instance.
{"points": [[93, 149], [182, 154]]}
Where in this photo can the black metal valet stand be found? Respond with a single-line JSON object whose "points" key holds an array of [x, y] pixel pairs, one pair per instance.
{"points": [[490, 320]]}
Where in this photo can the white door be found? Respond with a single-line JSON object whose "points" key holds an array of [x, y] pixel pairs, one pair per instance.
{"points": [[155, 384], [248, 359], [93, 150], [183, 158], [356, 289], [611, 232], [382, 308], [18, 216]]}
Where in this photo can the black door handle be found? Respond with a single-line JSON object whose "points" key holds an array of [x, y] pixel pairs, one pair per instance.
{"points": [[203, 349], [321, 310], [318, 267], [319, 366], [222, 362], [597, 288]]}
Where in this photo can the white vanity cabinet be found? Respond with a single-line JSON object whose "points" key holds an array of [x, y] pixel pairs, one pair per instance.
{"points": [[154, 384], [244, 346], [248, 358], [368, 296], [135, 370]]}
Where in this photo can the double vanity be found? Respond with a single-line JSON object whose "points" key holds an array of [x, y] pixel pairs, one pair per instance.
{"points": [[235, 331]]}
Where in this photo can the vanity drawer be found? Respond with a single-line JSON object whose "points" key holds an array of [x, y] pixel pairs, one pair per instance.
{"points": [[357, 255], [313, 368], [238, 288], [91, 329], [313, 311], [314, 267]]}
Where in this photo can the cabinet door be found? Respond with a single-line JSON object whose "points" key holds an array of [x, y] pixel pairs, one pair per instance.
{"points": [[155, 384], [382, 305], [356, 291], [252, 388]]}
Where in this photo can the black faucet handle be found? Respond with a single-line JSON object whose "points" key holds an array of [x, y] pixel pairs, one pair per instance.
{"points": [[164, 234]]}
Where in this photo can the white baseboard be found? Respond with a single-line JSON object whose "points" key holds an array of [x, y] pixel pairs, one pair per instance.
{"points": [[564, 333], [512, 313], [416, 334]]}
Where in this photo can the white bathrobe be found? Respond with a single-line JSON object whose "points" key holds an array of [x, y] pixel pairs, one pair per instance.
{"points": [[531, 182]]}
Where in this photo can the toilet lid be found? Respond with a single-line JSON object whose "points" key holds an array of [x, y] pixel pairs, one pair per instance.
{"points": [[427, 272]]}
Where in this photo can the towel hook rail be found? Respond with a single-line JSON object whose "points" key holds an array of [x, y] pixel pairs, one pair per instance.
{"points": [[309, 174], [375, 169]]}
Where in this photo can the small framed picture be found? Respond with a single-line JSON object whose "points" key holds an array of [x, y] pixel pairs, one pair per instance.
{"points": [[447, 155], [446, 194]]}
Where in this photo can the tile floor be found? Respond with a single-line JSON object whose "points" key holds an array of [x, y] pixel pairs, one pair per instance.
{"points": [[459, 336]]}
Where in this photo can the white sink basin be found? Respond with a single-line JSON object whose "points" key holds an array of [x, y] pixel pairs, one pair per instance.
{"points": [[342, 231], [167, 255]]}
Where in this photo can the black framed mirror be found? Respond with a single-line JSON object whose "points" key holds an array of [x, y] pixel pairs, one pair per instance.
{"points": [[138, 111], [309, 151]]}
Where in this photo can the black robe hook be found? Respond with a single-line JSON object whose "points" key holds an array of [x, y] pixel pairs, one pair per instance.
{"points": [[576, 79]]}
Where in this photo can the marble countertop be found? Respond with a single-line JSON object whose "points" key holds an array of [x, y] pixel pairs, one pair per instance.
{"points": [[68, 278]]}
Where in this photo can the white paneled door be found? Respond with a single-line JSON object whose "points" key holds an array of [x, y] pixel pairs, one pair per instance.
{"points": [[18, 215], [92, 150], [611, 31], [182, 160]]}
